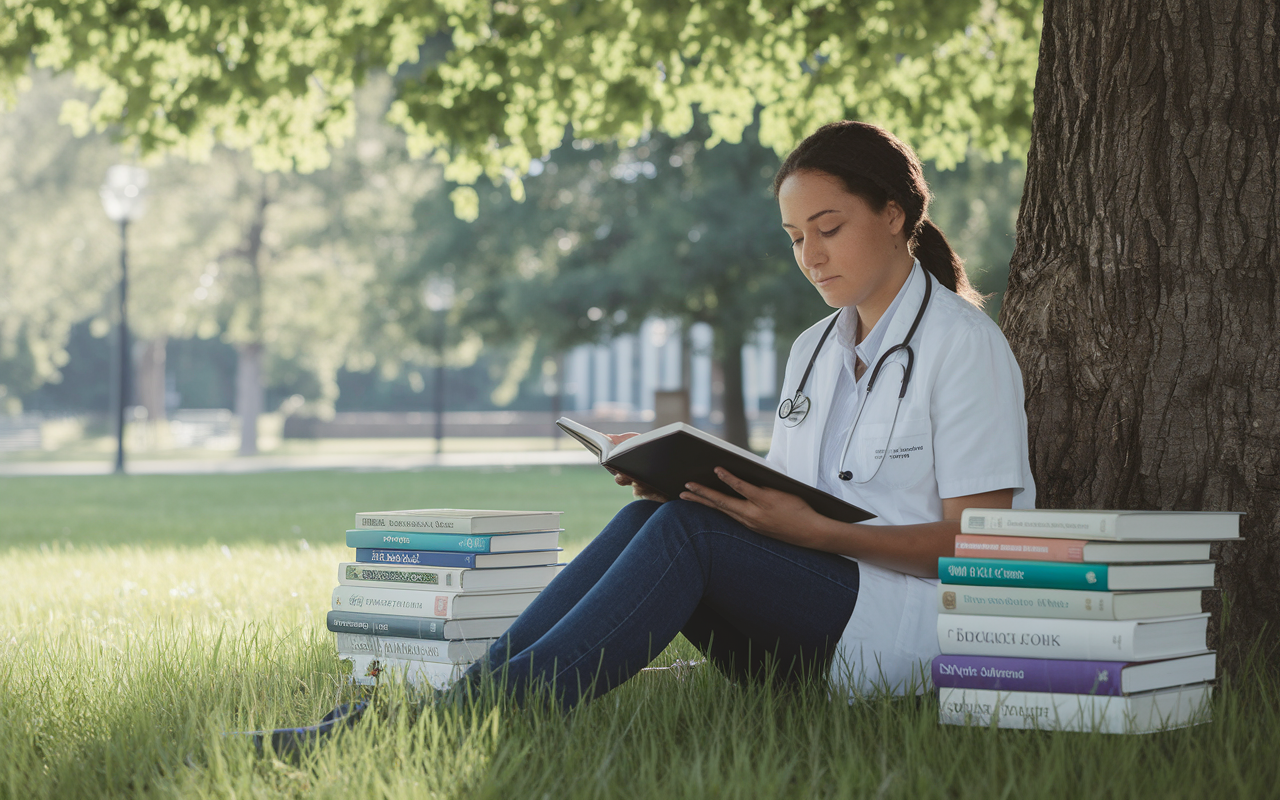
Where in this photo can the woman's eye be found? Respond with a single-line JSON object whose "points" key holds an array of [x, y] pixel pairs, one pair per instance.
{"points": [[795, 242], [831, 232]]}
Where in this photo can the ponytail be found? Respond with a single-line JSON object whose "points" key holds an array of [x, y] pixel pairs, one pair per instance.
{"points": [[930, 247], [878, 167]]}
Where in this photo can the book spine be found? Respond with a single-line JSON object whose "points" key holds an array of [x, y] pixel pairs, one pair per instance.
{"points": [[1032, 710], [415, 558], [1031, 574], [371, 670], [1070, 712], [448, 580], [395, 602], [394, 522], [384, 625], [1055, 524], [1028, 674], [1033, 637], [398, 540], [1022, 548], [1003, 601], [409, 649]]}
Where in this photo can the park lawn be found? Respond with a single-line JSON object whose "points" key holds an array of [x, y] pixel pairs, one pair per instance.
{"points": [[141, 617]]}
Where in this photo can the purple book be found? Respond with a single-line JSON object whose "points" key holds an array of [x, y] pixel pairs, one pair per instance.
{"points": [[1113, 678]]}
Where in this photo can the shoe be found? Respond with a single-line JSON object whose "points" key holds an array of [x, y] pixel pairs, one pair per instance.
{"points": [[290, 742]]}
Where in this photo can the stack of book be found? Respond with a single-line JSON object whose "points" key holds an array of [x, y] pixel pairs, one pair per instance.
{"points": [[431, 589], [1077, 620]]}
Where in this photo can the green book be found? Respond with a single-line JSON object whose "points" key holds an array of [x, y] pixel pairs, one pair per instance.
{"points": [[1059, 575], [454, 542]]}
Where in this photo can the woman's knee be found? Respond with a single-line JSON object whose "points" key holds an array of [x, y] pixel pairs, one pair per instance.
{"points": [[683, 518], [629, 520], [688, 511], [636, 513]]}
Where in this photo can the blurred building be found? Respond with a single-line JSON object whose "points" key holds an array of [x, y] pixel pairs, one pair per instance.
{"points": [[622, 375]]}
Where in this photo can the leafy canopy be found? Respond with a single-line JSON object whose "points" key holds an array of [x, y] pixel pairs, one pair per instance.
{"points": [[278, 76]]}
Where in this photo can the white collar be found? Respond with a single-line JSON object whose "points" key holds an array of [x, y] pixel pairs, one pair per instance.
{"points": [[869, 348]]}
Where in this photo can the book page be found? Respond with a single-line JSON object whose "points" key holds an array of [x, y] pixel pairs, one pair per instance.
{"points": [[593, 440]]}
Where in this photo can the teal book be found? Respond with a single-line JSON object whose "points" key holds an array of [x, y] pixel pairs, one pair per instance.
{"points": [[454, 542], [1062, 575]]}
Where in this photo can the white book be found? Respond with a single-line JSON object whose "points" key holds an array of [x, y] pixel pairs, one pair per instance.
{"points": [[443, 652], [1117, 525], [369, 670], [447, 579], [424, 603], [458, 520], [1072, 639], [1015, 601], [1135, 713]]}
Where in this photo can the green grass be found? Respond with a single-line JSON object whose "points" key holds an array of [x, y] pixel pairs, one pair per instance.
{"points": [[269, 508], [141, 617]]}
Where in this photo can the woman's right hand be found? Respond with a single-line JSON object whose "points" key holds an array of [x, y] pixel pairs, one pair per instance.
{"points": [[638, 490]]}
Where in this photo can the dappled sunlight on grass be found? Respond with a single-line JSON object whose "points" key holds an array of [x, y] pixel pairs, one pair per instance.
{"points": [[113, 593]]}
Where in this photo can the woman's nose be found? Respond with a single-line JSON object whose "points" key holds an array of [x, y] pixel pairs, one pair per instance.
{"points": [[813, 254]]}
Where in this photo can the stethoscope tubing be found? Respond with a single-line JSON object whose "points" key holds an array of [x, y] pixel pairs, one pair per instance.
{"points": [[800, 403]]}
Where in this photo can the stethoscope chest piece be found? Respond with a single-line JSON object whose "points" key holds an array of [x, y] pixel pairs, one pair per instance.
{"points": [[793, 411]]}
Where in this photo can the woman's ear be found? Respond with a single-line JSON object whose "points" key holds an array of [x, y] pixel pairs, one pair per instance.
{"points": [[895, 217]]}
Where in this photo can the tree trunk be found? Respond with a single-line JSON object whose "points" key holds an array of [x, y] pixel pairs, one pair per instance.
{"points": [[249, 395], [150, 388], [1143, 300], [249, 389], [729, 342]]}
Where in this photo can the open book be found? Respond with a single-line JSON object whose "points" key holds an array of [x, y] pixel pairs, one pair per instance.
{"points": [[667, 458]]}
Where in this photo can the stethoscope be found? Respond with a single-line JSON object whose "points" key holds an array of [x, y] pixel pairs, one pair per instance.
{"points": [[794, 410]]}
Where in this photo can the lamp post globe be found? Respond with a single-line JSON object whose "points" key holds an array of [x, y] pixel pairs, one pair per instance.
{"points": [[123, 199]]}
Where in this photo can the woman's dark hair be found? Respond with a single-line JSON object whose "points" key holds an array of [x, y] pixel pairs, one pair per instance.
{"points": [[878, 167]]}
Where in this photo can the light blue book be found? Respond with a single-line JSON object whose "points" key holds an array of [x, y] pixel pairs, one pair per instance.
{"points": [[453, 542]]}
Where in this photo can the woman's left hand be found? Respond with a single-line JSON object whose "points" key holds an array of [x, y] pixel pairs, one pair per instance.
{"points": [[776, 514]]}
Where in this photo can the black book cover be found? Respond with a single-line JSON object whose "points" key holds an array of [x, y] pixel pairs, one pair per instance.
{"points": [[668, 462]]}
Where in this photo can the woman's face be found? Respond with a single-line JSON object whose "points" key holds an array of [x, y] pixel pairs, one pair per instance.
{"points": [[853, 254]]}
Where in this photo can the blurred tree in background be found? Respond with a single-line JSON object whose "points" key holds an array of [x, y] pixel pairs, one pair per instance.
{"points": [[310, 252], [276, 264]]}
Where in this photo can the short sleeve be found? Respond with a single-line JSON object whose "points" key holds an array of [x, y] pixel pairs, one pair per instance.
{"points": [[980, 423]]}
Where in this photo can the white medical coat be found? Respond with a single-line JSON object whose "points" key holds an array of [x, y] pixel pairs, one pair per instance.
{"points": [[961, 429]]}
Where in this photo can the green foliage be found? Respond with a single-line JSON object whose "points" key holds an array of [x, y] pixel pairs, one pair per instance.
{"points": [[59, 254], [278, 76], [955, 76], [666, 227], [976, 205]]}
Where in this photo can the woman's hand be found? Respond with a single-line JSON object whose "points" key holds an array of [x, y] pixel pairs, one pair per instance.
{"points": [[638, 490], [776, 514]]}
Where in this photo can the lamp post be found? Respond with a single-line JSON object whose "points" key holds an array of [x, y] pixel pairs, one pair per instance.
{"points": [[122, 199], [438, 296]]}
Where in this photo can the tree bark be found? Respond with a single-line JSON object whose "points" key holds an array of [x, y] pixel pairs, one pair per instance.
{"points": [[249, 386], [1143, 298]]}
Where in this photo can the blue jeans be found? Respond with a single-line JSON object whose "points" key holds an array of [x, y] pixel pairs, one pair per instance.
{"points": [[656, 570]]}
